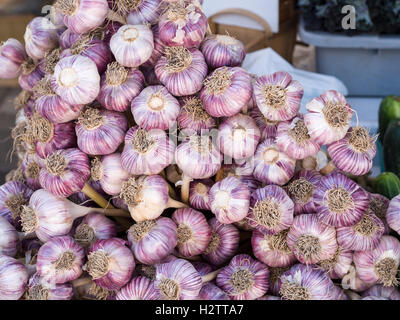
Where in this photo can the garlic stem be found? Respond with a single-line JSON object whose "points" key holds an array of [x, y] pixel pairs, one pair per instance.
{"points": [[175, 204], [81, 282], [330, 167], [96, 197], [80, 211], [210, 276], [185, 186]]}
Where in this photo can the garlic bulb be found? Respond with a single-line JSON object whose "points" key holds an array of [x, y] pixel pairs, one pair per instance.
{"points": [[13, 278]]}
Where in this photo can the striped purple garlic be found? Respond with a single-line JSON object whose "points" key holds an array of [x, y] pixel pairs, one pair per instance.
{"points": [[202, 267], [139, 288], [76, 80], [380, 291], [9, 238], [149, 75], [271, 164], [355, 152], [109, 172], [65, 172], [301, 190], [199, 194], [40, 37], [147, 152], [241, 169], [393, 214], [99, 131], [303, 282], [268, 128], [328, 117], [181, 70], [51, 106], [60, 260], [380, 265], [147, 197], [223, 50], [275, 279], [41, 289], [177, 280], [244, 278], [292, 138], [94, 226], [132, 45], [155, 108], [271, 210], [351, 281], [110, 263], [182, 23], [94, 49], [339, 265], [67, 38], [151, 241], [278, 96], [311, 240], [82, 199], [226, 91], [13, 278], [364, 235], [230, 200], [223, 244], [379, 204], [12, 55], [317, 162], [272, 250], [210, 291], [138, 12], [31, 73], [13, 196], [339, 201], [193, 230], [119, 86], [192, 115], [238, 136]]}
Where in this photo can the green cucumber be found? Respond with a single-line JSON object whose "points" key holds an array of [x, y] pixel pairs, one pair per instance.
{"points": [[387, 184], [391, 147], [389, 110]]}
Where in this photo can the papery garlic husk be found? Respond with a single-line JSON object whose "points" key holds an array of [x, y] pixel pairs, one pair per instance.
{"points": [[380, 291], [94, 226], [13, 278], [328, 117], [147, 152], [238, 136], [271, 210], [82, 16], [379, 204], [139, 288], [292, 138], [230, 200], [108, 171], [272, 165], [99, 131], [12, 55], [267, 127], [181, 70], [338, 265], [13, 196], [199, 194], [244, 278], [355, 152], [393, 214], [364, 235], [76, 80], [380, 265], [9, 239], [226, 91], [301, 190], [65, 172], [193, 116], [222, 50], [223, 244], [278, 96], [339, 201], [147, 197], [210, 291], [182, 23], [40, 37], [60, 260], [194, 233], [151, 241], [31, 74], [51, 106], [110, 263], [302, 282], [119, 86], [155, 108], [353, 282], [132, 45], [177, 280], [272, 249], [41, 289]]}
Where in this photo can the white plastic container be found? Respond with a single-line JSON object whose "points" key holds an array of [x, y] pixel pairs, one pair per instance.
{"points": [[369, 65]]}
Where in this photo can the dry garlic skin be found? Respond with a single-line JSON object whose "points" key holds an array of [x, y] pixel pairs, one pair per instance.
{"points": [[393, 214], [12, 55]]}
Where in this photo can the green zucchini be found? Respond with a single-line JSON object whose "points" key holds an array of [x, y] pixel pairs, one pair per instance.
{"points": [[387, 184], [389, 110]]}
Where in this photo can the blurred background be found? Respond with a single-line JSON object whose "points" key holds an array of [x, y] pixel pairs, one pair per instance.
{"points": [[304, 35]]}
